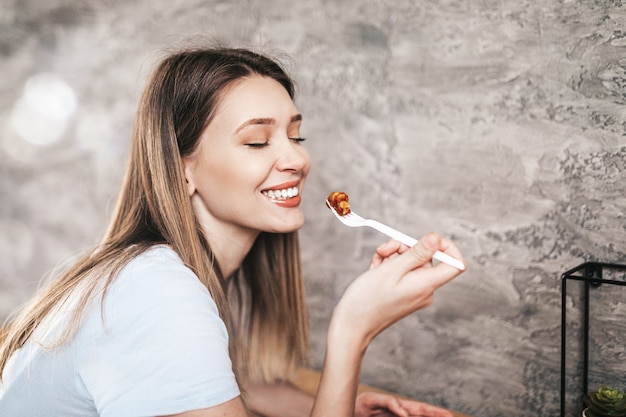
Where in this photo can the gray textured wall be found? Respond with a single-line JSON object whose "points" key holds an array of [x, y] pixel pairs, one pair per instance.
{"points": [[499, 123]]}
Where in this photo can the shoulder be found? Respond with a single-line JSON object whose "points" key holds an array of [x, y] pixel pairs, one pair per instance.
{"points": [[158, 340], [156, 289], [156, 263], [158, 272]]}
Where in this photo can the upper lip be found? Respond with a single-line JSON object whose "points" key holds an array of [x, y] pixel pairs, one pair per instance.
{"points": [[282, 186]]}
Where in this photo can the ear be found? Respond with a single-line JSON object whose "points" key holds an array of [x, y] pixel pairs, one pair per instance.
{"points": [[188, 166]]}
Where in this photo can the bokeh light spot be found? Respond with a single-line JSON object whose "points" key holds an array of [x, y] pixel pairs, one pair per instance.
{"points": [[41, 115]]}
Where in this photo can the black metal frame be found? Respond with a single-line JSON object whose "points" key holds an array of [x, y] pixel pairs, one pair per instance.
{"points": [[591, 274]]}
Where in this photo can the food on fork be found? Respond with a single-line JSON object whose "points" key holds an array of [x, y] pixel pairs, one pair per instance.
{"points": [[339, 202]]}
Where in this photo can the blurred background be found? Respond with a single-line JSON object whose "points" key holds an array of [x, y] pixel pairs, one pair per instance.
{"points": [[498, 123]]}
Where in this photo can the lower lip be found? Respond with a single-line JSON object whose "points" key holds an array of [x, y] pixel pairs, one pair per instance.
{"points": [[290, 202]]}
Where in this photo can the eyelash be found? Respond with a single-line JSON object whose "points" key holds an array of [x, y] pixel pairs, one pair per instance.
{"points": [[264, 144]]}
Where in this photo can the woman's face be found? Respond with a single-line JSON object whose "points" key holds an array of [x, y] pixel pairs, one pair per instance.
{"points": [[248, 172]]}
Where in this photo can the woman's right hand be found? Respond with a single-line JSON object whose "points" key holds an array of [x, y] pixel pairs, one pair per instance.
{"points": [[400, 281]]}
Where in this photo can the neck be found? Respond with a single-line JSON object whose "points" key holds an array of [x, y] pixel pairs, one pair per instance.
{"points": [[230, 244], [231, 251]]}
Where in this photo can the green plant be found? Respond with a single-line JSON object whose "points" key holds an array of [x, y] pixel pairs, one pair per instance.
{"points": [[606, 402]]}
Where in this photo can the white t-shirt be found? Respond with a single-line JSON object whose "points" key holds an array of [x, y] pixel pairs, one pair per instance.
{"points": [[158, 347]]}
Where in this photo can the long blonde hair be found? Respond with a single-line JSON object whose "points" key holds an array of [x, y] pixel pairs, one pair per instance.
{"points": [[270, 334]]}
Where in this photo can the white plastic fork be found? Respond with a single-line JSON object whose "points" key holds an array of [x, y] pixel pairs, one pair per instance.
{"points": [[354, 220]]}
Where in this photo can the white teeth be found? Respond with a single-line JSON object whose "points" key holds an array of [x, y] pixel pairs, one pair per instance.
{"points": [[282, 194]]}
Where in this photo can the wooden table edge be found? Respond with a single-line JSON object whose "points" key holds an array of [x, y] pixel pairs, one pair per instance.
{"points": [[308, 380]]}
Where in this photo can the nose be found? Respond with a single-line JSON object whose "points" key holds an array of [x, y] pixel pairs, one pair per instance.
{"points": [[292, 156]]}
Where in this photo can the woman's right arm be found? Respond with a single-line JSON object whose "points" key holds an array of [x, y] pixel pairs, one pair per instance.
{"points": [[383, 295], [386, 293]]}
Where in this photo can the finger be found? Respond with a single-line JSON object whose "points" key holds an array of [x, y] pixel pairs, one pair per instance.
{"points": [[425, 248], [418, 255], [387, 250], [396, 408], [377, 260], [416, 408], [383, 402], [415, 259], [450, 249], [390, 247]]}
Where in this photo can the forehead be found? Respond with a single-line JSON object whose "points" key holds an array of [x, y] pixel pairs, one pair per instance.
{"points": [[254, 97]]}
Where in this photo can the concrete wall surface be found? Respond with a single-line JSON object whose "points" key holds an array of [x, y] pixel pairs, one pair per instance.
{"points": [[500, 124]]}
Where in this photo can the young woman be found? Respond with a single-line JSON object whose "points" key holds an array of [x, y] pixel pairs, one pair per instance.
{"points": [[193, 304]]}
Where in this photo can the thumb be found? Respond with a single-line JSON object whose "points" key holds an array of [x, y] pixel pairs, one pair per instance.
{"points": [[425, 248], [418, 255]]}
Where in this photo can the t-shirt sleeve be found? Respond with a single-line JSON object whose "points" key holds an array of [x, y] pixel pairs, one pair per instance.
{"points": [[162, 348]]}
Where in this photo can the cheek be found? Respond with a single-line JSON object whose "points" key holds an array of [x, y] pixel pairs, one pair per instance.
{"points": [[217, 176], [242, 174], [307, 158]]}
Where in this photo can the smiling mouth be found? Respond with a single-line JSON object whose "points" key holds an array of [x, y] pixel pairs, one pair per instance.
{"points": [[283, 194]]}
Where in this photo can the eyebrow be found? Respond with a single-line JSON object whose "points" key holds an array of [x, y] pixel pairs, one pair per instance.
{"points": [[265, 121]]}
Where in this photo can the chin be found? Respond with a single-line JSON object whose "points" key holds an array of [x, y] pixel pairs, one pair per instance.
{"points": [[288, 227]]}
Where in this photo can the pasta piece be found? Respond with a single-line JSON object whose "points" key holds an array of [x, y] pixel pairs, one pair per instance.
{"points": [[339, 202]]}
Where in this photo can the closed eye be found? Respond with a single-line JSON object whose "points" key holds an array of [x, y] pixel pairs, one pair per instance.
{"points": [[266, 143], [258, 144]]}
